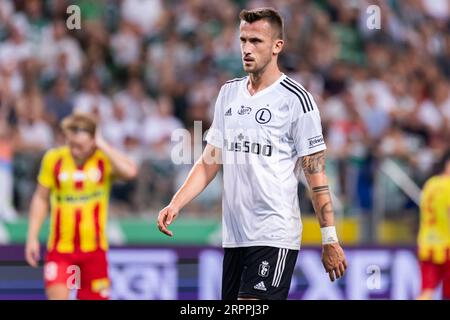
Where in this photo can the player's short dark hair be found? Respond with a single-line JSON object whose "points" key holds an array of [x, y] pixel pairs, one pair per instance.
{"points": [[269, 14]]}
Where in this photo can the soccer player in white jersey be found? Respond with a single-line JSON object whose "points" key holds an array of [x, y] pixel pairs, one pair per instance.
{"points": [[266, 129]]}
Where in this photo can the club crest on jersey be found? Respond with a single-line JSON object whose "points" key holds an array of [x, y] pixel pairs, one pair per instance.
{"points": [[244, 110], [263, 116], [263, 270]]}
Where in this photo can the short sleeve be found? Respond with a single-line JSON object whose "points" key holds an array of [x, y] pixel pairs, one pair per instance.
{"points": [[307, 131], [105, 166], [45, 177], [109, 171], [215, 135]]}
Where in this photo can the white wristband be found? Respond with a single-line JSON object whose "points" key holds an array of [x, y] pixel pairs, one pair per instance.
{"points": [[329, 235]]}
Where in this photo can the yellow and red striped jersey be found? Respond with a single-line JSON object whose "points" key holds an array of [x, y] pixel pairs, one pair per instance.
{"points": [[434, 232], [79, 200]]}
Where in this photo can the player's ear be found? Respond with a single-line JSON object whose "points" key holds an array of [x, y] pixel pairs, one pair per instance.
{"points": [[277, 46]]}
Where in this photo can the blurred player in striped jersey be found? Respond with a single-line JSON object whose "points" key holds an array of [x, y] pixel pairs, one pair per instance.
{"points": [[434, 232], [75, 181]]}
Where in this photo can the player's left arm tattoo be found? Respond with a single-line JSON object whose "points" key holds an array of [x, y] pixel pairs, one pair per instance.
{"points": [[314, 168], [314, 163]]}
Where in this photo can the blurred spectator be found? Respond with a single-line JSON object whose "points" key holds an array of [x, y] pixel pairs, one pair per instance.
{"points": [[120, 127], [59, 102], [143, 14], [403, 103], [34, 10], [11, 81], [158, 128], [7, 211], [123, 133], [33, 133], [6, 11], [136, 103], [94, 19], [96, 63], [393, 147], [60, 53], [434, 112], [443, 59], [125, 45], [32, 137], [437, 9], [92, 100], [158, 171], [16, 48], [394, 144], [375, 118]]}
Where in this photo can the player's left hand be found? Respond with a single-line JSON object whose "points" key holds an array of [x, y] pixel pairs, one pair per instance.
{"points": [[333, 260], [165, 218], [32, 254]]}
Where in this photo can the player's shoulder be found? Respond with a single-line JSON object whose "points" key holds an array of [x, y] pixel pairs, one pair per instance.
{"points": [[101, 158], [428, 182], [436, 182], [56, 153], [235, 80], [99, 154], [296, 95], [443, 180], [233, 83]]}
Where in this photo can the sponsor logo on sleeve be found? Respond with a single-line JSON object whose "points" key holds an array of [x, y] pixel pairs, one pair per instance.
{"points": [[315, 141]]}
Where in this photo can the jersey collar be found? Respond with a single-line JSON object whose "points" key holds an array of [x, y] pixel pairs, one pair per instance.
{"points": [[263, 91]]}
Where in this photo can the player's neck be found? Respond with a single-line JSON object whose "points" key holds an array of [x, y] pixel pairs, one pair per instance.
{"points": [[261, 80], [80, 162]]}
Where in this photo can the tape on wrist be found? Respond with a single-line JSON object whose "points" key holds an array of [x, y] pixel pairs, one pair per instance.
{"points": [[329, 235]]}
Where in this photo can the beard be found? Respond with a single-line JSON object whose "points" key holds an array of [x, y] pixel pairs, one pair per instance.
{"points": [[254, 67]]}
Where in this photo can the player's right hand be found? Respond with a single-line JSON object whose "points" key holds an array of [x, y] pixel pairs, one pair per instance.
{"points": [[334, 261], [165, 218], [32, 252]]}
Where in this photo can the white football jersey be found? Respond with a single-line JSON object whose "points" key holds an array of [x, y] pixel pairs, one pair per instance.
{"points": [[261, 138]]}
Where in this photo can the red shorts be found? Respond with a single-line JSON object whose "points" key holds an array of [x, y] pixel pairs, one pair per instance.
{"points": [[85, 272], [433, 274]]}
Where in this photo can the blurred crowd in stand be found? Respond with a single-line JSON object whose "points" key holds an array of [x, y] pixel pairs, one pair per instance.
{"points": [[146, 68]]}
